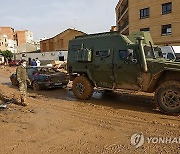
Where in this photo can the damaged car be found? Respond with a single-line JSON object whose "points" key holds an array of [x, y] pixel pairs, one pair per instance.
{"points": [[43, 78]]}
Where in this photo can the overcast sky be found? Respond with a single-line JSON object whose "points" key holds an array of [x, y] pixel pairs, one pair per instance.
{"points": [[46, 18]]}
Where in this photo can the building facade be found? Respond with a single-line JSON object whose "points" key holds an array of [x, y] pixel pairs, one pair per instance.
{"points": [[7, 44], [60, 42], [12, 40], [160, 17], [23, 37], [9, 31]]}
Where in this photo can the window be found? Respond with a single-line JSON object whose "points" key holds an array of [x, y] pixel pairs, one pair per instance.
{"points": [[144, 13], [167, 8], [145, 29], [166, 29], [128, 56], [123, 54], [61, 58], [170, 56]]}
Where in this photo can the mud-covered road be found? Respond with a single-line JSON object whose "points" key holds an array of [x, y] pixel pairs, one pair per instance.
{"points": [[56, 122]]}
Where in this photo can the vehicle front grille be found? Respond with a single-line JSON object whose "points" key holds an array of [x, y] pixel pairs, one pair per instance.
{"points": [[57, 78]]}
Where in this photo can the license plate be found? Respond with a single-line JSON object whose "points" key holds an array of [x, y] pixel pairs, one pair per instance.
{"points": [[58, 84]]}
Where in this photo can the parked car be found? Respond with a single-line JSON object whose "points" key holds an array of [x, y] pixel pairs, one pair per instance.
{"points": [[14, 63], [43, 78]]}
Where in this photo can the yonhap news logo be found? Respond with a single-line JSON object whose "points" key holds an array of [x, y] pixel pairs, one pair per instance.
{"points": [[138, 140]]}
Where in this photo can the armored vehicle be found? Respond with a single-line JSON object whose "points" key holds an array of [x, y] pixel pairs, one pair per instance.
{"points": [[114, 61]]}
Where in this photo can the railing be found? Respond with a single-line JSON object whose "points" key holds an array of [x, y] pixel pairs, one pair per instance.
{"points": [[124, 9], [119, 15], [124, 25]]}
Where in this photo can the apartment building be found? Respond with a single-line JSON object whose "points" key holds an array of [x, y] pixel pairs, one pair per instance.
{"points": [[23, 37], [7, 44], [59, 42], [160, 17], [20, 40], [9, 31]]}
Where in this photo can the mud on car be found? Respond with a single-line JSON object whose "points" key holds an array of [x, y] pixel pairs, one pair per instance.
{"points": [[43, 78]]}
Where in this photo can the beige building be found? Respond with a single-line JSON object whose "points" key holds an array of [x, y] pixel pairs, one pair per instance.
{"points": [[160, 17], [9, 31], [7, 44], [59, 42], [23, 37], [13, 40]]}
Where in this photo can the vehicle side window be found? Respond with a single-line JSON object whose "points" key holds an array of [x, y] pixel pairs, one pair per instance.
{"points": [[170, 56], [178, 56], [128, 56], [103, 53], [123, 54]]}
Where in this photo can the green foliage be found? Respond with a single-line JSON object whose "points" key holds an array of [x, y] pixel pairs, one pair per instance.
{"points": [[7, 54]]}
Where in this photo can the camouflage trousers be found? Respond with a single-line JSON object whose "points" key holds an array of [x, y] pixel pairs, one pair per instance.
{"points": [[23, 91]]}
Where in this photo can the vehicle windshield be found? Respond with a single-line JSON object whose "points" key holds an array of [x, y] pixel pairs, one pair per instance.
{"points": [[149, 53]]}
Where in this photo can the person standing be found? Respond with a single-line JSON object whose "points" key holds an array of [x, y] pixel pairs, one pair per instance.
{"points": [[38, 62], [22, 78], [33, 63]]}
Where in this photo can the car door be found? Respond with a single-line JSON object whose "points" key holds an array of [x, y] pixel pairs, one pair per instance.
{"points": [[126, 69], [103, 68]]}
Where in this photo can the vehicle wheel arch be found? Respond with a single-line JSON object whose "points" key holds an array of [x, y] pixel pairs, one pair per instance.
{"points": [[163, 77], [86, 74], [162, 95]]}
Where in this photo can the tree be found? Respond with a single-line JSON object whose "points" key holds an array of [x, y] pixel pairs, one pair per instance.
{"points": [[7, 55]]}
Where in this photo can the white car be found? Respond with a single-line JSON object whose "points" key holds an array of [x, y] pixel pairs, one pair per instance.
{"points": [[171, 52]]}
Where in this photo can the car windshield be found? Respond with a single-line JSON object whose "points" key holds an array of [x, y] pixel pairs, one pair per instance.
{"points": [[149, 53]]}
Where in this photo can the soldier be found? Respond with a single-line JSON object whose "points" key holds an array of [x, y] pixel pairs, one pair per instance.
{"points": [[22, 78]]}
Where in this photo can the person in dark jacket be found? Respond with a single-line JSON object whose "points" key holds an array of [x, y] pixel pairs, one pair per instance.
{"points": [[33, 63]]}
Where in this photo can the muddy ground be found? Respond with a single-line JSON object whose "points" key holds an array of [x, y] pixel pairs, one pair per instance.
{"points": [[56, 122]]}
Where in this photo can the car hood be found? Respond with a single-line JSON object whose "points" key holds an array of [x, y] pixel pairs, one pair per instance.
{"points": [[157, 65]]}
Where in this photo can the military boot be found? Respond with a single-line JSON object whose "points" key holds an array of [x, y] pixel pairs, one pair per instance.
{"points": [[23, 102]]}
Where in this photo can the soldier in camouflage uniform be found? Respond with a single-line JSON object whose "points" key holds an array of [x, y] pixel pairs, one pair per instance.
{"points": [[22, 78]]}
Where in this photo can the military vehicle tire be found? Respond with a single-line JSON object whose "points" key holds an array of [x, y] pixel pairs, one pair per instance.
{"points": [[167, 97], [82, 88], [36, 86]]}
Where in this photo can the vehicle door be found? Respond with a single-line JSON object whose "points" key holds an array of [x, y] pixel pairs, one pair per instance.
{"points": [[127, 68], [103, 68]]}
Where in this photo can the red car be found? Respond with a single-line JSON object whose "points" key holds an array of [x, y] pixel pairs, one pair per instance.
{"points": [[14, 63]]}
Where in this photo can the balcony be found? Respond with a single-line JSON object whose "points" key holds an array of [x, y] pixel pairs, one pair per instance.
{"points": [[124, 26], [122, 12], [124, 9]]}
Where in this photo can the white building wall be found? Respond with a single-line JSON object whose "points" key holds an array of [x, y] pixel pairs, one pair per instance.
{"points": [[45, 57], [12, 46], [29, 37]]}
